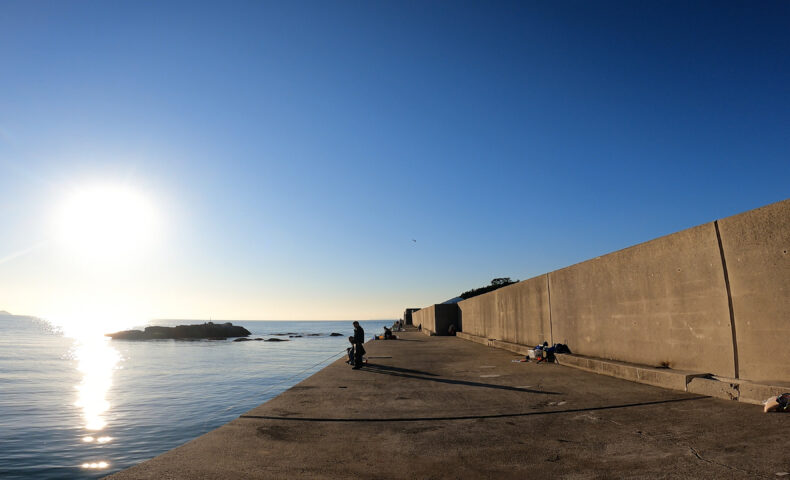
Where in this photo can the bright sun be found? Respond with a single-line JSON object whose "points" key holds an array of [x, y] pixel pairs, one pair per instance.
{"points": [[106, 223]]}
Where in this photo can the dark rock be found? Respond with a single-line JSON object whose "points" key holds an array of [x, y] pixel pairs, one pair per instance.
{"points": [[294, 336], [335, 334], [242, 339], [128, 335], [258, 339], [161, 332], [313, 334], [276, 340], [208, 330]]}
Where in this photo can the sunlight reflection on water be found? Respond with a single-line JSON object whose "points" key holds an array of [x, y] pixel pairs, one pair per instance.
{"points": [[96, 362]]}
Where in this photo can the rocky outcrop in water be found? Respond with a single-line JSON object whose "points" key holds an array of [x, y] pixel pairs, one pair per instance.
{"points": [[210, 330]]}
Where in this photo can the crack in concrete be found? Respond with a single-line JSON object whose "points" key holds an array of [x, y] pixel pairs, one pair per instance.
{"points": [[736, 469], [668, 437]]}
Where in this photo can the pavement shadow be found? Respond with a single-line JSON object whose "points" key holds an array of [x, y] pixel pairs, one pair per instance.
{"points": [[386, 368], [474, 417], [397, 372]]}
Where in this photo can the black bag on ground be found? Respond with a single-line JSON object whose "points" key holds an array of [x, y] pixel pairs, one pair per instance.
{"points": [[561, 348]]}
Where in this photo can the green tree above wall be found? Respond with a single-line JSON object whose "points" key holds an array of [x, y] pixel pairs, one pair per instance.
{"points": [[495, 283]]}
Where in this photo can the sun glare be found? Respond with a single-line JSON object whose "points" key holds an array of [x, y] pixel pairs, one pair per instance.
{"points": [[96, 361], [107, 223]]}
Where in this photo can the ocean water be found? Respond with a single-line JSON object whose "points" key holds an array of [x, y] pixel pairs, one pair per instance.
{"points": [[85, 408]]}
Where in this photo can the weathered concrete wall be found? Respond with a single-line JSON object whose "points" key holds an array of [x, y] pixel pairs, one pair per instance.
{"points": [[425, 317], [437, 319], [407, 320], [660, 302], [670, 301], [756, 246], [518, 313]]}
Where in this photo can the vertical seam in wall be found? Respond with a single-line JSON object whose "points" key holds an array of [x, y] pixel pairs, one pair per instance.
{"points": [[551, 325], [729, 299]]}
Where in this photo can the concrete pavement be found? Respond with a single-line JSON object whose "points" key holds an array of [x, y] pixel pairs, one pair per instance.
{"points": [[441, 407]]}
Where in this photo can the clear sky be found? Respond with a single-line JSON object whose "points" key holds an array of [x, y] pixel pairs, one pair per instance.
{"points": [[345, 160]]}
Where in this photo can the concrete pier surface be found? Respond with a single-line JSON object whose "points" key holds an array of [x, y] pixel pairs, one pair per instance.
{"points": [[442, 407]]}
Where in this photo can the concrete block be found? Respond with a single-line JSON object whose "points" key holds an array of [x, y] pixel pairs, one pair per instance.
{"points": [[714, 388], [513, 347], [472, 338], [756, 393], [659, 377]]}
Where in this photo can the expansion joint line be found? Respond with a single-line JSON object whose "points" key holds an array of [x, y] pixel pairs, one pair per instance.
{"points": [[729, 299]]}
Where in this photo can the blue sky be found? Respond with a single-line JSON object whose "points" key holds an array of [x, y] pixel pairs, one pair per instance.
{"points": [[295, 149]]}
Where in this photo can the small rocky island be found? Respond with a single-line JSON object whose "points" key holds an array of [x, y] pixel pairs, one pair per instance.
{"points": [[210, 330]]}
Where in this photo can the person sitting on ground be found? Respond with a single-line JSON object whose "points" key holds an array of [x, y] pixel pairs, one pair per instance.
{"points": [[350, 351], [387, 334], [546, 353]]}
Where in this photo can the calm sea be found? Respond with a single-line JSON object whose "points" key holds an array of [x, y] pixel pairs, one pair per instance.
{"points": [[87, 408]]}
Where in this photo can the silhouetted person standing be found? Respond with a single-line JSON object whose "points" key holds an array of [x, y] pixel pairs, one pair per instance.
{"points": [[359, 350]]}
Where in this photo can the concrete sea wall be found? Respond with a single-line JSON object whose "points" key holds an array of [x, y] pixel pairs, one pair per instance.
{"points": [[714, 298], [660, 302], [518, 313], [436, 319], [756, 246]]}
